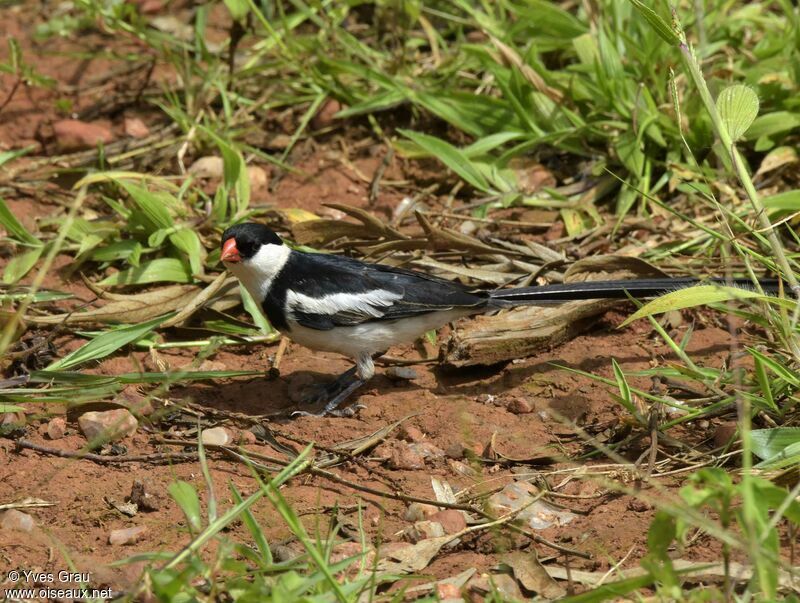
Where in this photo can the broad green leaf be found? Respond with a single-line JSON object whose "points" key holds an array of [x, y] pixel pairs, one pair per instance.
{"points": [[779, 122], [738, 108], [238, 9], [152, 206], [105, 344], [234, 170], [155, 271], [450, 156], [255, 312], [689, 298], [786, 201], [15, 227], [189, 502], [769, 443], [187, 241], [21, 264], [4, 408]]}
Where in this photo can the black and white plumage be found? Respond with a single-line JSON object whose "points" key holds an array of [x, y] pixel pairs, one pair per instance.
{"points": [[338, 304]]}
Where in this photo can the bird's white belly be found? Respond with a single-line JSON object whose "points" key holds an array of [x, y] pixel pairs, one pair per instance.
{"points": [[370, 337]]}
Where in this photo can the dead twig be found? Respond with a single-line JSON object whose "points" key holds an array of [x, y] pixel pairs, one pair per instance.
{"points": [[154, 458]]}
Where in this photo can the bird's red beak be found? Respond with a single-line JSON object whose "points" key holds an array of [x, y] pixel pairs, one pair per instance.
{"points": [[229, 252]]}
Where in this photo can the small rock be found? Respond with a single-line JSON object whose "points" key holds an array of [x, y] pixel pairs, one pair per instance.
{"points": [[216, 436], [108, 425], [455, 451], [452, 520], [422, 530], [142, 495], [136, 402], [537, 514], [247, 437], [16, 520], [207, 168], [447, 590], [126, 535], [74, 135], [324, 117], [486, 399], [400, 373], [419, 512], [639, 506], [279, 142], [426, 450], [135, 128], [520, 406], [724, 433], [402, 457], [258, 178], [462, 469], [411, 433], [56, 428], [212, 365]]}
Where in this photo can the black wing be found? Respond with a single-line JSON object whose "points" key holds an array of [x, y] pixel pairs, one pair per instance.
{"points": [[322, 291]]}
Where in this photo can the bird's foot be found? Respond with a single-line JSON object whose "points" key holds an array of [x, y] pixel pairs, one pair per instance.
{"points": [[333, 394], [319, 393]]}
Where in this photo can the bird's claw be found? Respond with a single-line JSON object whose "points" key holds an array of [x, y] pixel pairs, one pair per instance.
{"points": [[349, 411]]}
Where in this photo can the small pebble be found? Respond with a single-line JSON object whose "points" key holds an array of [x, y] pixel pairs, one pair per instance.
{"points": [[724, 433], [411, 433], [56, 428], [422, 530], [144, 497], [455, 451], [209, 167], [324, 117], [401, 373], [108, 425], [419, 511], [402, 457], [520, 406], [452, 520], [259, 180], [16, 520], [126, 535], [216, 436], [447, 590], [247, 437], [135, 128]]}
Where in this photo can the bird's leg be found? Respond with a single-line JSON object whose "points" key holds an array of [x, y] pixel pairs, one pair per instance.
{"points": [[342, 387]]}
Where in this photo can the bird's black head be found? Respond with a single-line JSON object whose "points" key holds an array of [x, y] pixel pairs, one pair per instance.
{"points": [[242, 242]]}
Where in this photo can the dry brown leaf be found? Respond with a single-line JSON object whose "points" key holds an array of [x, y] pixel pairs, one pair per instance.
{"points": [[532, 575], [599, 267], [126, 308], [445, 239]]}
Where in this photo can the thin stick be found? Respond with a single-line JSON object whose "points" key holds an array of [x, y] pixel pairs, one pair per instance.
{"points": [[159, 457]]}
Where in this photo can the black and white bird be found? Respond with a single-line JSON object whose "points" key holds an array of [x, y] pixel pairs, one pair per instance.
{"points": [[337, 304]]}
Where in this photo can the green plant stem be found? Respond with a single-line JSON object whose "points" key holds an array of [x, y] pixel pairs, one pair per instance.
{"points": [[11, 326]]}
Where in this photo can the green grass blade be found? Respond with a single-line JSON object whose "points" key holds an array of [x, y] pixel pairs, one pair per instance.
{"points": [[105, 344]]}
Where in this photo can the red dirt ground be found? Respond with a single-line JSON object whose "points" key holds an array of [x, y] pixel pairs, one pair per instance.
{"points": [[450, 409]]}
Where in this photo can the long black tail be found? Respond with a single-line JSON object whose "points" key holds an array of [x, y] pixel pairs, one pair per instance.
{"points": [[620, 289]]}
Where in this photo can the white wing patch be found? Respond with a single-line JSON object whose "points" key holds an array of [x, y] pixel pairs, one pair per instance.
{"points": [[368, 303]]}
